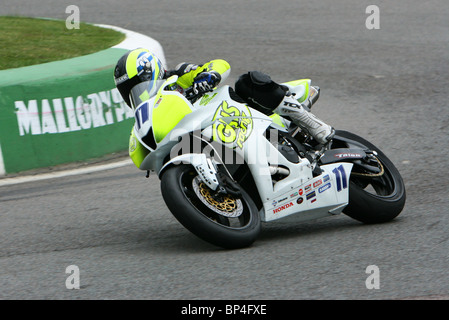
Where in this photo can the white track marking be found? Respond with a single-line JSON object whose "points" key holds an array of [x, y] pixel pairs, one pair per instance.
{"points": [[2, 163], [66, 173]]}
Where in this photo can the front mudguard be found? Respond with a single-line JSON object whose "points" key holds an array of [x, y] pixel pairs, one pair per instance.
{"points": [[203, 166]]}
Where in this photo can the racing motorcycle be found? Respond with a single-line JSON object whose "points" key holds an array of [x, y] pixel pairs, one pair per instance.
{"points": [[225, 167]]}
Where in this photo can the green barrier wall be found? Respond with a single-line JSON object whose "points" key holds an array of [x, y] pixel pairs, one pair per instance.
{"points": [[61, 112]]}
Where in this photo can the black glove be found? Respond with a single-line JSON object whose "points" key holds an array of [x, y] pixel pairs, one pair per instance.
{"points": [[205, 81]]}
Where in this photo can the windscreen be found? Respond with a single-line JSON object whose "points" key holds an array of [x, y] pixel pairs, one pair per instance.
{"points": [[144, 91]]}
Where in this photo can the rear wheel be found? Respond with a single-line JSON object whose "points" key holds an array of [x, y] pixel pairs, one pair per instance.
{"points": [[223, 220], [374, 197]]}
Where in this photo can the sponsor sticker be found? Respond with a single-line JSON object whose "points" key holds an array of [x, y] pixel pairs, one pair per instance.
{"points": [[285, 206], [121, 79], [317, 183], [308, 188], [276, 202], [232, 133], [326, 178], [283, 199], [301, 192], [348, 155], [157, 103], [310, 195], [300, 200], [324, 188]]}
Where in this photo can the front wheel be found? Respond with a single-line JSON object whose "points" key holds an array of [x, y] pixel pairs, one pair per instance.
{"points": [[223, 220], [374, 198]]}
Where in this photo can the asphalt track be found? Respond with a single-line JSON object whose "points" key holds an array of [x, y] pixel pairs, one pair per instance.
{"points": [[388, 85]]}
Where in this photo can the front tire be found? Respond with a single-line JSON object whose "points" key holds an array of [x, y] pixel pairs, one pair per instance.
{"points": [[375, 199], [203, 219]]}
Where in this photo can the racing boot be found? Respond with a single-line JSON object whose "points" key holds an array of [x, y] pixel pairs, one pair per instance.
{"points": [[319, 130]]}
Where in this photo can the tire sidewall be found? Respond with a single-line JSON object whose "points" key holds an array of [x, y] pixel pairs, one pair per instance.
{"points": [[369, 208], [200, 225]]}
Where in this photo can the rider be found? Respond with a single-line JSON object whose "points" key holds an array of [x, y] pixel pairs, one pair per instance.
{"points": [[256, 88], [269, 97], [140, 65]]}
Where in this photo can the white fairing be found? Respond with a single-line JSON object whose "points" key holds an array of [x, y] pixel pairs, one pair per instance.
{"points": [[315, 198], [242, 128]]}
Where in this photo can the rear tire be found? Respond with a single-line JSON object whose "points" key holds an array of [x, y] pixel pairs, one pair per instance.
{"points": [[201, 220], [386, 197]]}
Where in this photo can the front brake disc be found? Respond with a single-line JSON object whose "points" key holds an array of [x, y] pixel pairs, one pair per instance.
{"points": [[223, 204]]}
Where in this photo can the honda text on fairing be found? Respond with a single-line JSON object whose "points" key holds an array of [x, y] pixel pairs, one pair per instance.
{"points": [[226, 167]]}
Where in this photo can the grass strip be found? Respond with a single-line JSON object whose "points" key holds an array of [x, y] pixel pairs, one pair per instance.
{"points": [[29, 41]]}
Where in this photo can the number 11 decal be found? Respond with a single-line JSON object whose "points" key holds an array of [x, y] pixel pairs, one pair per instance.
{"points": [[340, 174]]}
